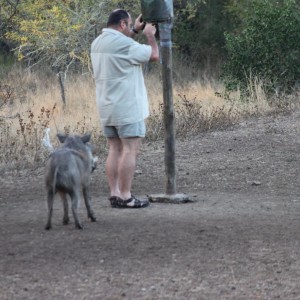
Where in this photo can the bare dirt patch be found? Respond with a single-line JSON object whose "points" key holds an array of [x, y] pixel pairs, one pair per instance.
{"points": [[238, 240]]}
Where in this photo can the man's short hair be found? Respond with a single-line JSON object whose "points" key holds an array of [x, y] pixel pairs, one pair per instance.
{"points": [[116, 16]]}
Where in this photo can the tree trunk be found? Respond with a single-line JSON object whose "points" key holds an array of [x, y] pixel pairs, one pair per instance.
{"points": [[60, 76]]}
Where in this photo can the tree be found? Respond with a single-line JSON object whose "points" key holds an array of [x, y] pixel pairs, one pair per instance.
{"points": [[56, 33]]}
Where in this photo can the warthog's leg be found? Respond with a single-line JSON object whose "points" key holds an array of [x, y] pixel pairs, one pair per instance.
{"points": [[75, 198], [50, 198], [87, 199], [66, 219]]}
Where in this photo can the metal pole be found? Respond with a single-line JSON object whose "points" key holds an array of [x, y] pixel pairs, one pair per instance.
{"points": [[165, 29]]}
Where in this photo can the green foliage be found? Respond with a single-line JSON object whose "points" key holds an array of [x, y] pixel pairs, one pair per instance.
{"points": [[198, 29], [238, 10], [261, 40], [57, 33], [132, 6], [267, 47], [8, 10]]}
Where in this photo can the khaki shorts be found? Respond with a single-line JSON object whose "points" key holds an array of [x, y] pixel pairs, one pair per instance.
{"points": [[125, 131]]}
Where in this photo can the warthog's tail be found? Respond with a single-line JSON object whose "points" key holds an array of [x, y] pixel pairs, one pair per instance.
{"points": [[46, 141]]}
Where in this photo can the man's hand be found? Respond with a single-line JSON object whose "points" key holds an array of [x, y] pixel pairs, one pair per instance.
{"points": [[149, 30], [139, 24]]}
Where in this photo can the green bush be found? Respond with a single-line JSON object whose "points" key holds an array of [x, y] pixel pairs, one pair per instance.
{"points": [[267, 48], [199, 30]]}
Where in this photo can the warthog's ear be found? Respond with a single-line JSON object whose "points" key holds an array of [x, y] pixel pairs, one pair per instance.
{"points": [[86, 138], [61, 137]]}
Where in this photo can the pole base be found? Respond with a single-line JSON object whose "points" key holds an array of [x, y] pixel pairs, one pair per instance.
{"points": [[175, 199]]}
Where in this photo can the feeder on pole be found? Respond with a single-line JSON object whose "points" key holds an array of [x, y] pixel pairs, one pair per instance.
{"points": [[160, 12]]}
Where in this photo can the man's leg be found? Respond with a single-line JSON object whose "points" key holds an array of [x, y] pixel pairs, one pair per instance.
{"points": [[120, 165], [112, 165], [127, 164]]}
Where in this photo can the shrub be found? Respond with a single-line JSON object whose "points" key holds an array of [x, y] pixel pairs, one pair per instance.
{"points": [[267, 48]]}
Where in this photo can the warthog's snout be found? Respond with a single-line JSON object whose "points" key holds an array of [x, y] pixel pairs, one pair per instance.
{"points": [[68, 173], [94, 159]]}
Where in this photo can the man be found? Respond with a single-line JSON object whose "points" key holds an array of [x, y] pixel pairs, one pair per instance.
{"points": [[122, 99]]}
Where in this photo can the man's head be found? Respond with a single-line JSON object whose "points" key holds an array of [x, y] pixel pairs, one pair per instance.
{"points": [[120, 20]]}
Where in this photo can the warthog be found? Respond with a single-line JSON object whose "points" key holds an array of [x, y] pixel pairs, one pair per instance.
{"points": [[68, 173]]}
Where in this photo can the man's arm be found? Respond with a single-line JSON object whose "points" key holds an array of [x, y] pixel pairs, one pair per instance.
{"points": [[149, 32], [138, 26]]}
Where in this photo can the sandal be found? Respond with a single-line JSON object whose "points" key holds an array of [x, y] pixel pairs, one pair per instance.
{"points": [[132, 202]]}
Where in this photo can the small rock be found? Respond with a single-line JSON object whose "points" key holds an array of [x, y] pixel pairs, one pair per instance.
{"points": [[255, 183]]}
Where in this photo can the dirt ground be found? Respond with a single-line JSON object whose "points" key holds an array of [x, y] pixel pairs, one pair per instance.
{"points": [[239, 239]]}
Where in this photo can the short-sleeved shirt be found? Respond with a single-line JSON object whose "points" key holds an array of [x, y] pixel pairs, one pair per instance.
{"points": [[120, 89]]}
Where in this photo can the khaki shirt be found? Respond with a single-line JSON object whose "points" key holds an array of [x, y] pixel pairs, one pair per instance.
{"points": [[120, 89]]}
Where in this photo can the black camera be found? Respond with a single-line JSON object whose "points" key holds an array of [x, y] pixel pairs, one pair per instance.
{"points": [[156, 26]]}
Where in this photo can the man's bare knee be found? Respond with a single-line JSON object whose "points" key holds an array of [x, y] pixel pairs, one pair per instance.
{"points": [[131, 145]]}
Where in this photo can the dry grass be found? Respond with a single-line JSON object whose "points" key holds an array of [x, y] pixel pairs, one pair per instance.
{"points": [[35, 99]]}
